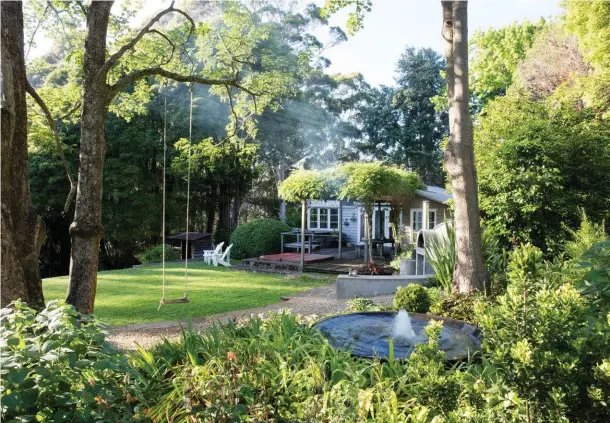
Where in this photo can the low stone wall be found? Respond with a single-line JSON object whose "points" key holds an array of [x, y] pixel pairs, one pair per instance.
{"points": [[349, 287]]}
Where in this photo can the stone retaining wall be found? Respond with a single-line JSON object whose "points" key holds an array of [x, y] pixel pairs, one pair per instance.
{"points": [[349, 287]]}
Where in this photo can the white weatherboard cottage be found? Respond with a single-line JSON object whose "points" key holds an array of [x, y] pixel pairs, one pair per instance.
{"points": [[323, 215]]}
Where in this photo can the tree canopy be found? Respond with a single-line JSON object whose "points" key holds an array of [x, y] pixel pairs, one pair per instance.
{"points": [[400, 125], [496, 54]]}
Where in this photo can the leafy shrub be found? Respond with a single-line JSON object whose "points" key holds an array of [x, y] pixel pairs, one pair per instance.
{"points": [[258, 237], [360, 304], [495, 258], [547, 348], [56, 366], [588, 234], [596, 283], [457, 306], [155, 254], [413, 298]]}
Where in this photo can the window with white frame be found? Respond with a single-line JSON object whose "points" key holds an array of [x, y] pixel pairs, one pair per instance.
{"points": [[417, 219], [323, 218]]}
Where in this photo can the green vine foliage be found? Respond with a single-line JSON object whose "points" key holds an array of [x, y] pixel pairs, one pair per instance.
{"points": [[370, 182], [305, 185]]}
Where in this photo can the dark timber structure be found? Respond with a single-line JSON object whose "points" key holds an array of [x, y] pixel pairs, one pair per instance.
{"points": [[197, 243]]}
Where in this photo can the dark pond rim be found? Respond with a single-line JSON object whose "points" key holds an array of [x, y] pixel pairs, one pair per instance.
{"points": [[472, 330]]}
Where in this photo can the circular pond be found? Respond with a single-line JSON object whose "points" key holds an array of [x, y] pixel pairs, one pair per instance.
{"points": [[367, 335]]}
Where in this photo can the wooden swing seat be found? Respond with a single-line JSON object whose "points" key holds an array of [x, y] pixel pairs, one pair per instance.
{"points": [[182, 300]]}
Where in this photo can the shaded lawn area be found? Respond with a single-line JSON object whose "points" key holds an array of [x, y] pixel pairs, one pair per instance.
{"points": [[132, 295]]}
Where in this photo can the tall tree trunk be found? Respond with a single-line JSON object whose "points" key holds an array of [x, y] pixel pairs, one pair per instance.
{"points": [[469, 273], [210, 208], [246, 207], [23, 231], [86, 229]]}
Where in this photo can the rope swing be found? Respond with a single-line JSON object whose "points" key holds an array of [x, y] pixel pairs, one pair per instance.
{"points": [[184, 298]]}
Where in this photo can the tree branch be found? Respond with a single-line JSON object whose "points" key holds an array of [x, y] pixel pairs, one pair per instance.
{"points": [[35, 31], [31, 91], [249, 91], [70, 112], [159, 71], [170, 42], [117, 56], [58, 14], [232, 111], [82, 9]]}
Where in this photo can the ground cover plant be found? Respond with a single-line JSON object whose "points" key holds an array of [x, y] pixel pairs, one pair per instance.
{"points": [[132, 295]]}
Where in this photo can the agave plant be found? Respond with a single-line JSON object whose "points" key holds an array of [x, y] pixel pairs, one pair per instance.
{"points": [[440, 253]]}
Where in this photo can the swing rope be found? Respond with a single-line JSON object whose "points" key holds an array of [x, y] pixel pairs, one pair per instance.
{"points": [[164, 158], [184, 298], [188, 192]]}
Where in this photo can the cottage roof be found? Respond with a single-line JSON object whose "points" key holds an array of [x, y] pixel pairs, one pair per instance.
{"points": [[193, 236], [438, 194]]}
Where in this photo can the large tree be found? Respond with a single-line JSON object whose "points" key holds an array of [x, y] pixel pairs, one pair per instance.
{"points": [[400, 124], [22, 230], [469, 273], [132, 170], [228, 44]]}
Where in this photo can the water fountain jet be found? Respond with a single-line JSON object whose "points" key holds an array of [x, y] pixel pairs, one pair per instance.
{"points": [[402, 328]]}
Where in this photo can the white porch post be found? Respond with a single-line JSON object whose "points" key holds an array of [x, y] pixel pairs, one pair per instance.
{"points": [[340, 227], [303, 215], [425, 219]]}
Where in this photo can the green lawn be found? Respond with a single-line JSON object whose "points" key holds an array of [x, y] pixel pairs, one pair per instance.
{"points": [[132, 295]]}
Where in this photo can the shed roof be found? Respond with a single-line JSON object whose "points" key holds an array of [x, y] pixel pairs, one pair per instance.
{"points": [[193, 236], [438, 194]]}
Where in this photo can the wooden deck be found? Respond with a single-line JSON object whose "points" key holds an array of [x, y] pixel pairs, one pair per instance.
{"points": [[332, 264], [296, 258]]}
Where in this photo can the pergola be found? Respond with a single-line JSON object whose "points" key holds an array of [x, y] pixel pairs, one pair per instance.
{"points": [[365, 183]]}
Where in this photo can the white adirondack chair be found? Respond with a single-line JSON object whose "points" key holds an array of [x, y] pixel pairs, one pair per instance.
{"points": [[224, 258], [209, 254]]}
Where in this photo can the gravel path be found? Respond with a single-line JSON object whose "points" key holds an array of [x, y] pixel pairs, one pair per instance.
{"points": [[317, 301]]}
